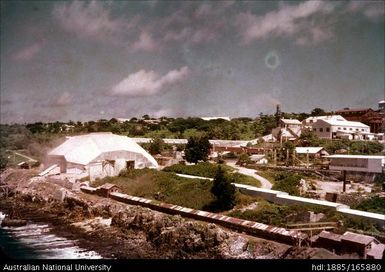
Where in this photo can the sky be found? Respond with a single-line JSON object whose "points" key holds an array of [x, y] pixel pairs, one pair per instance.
{"points": [[90, 60]]}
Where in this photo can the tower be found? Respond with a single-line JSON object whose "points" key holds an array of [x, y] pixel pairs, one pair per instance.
{"points": [[278, 114]]}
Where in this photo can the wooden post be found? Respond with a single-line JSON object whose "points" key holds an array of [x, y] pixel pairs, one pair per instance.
{"points": [[344, 181]]}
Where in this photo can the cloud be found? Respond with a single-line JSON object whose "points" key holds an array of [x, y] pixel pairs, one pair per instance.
{"points": [[92, 20], [63, 100], [147, 83], [28, 52], [370, 9], [145, 43], [288, 20]]}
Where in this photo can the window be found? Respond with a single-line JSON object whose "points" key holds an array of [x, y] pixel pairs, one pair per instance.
{"points": [[321, 130], [327, 129], [350, 129], [339, 128], [362, 129], [344, 128], [314, 129], [356, 129]]}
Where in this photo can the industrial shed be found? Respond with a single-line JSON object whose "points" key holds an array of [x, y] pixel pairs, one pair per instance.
{"points": [[99, 155]]}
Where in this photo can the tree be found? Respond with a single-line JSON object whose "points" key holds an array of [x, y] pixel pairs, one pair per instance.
{"points": [[223, 190], [243, 159], [318, 112], [197, 149], [309, 138], [156, 146]]}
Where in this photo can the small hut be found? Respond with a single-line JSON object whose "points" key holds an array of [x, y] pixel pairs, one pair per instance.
{"points": [[107, 188]]}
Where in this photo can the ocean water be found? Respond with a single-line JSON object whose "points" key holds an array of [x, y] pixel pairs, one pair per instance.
{"points": [[34, 241]]}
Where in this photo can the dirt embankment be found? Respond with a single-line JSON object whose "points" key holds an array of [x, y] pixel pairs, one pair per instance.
{"points": [[117, 230]]}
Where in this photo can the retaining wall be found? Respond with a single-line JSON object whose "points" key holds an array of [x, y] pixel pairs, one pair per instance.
{"points": [[291, 237]]}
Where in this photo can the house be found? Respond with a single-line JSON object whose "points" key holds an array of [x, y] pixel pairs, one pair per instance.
{"points": [[350, 242], [258, 159], [359, 243], [99, 155], [336, 128], [289, 129]]}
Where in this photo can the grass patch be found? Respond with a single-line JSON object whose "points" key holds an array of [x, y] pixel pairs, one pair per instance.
{"points": [[203, 169], [162, 186], [206, 169]]}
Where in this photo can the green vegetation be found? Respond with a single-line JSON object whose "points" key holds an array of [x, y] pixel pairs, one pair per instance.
{"points": [[374, 204], [287, 182], [162, 186], [223, 191], [197, 149], [202, 169], [206, 169], [169, 188], [156, 146], [279, 215]]}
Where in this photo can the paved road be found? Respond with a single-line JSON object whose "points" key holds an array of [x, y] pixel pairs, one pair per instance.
{"points": [[251, 172]]}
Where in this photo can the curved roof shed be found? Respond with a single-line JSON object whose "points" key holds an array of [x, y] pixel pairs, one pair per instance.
{"points": [[93, 147]]}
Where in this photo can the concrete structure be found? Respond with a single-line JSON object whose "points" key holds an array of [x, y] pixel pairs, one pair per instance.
{"points": [[292, 237], [228, 143], [357, 163], [100, 155], [335, 128]]}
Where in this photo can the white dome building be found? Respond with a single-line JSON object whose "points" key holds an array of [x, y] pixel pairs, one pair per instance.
{"points": [[100, 155]]}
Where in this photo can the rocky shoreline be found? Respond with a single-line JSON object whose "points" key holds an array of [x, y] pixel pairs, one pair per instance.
{"points": [[120, 231]]}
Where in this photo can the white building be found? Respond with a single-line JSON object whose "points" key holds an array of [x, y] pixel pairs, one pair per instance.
{"points": [[313, 151], [289, 129], [336, 128], [358, 163], [208, 118], [100, 155]]}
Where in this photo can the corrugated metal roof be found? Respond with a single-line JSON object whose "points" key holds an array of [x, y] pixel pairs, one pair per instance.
{"points": [[357, 238], [345, 123], [355, 156], [330, 235], [325, 117], [85, 148]]}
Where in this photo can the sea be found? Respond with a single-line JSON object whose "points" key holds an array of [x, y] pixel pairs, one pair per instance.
{"points": [[36, 241]]}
